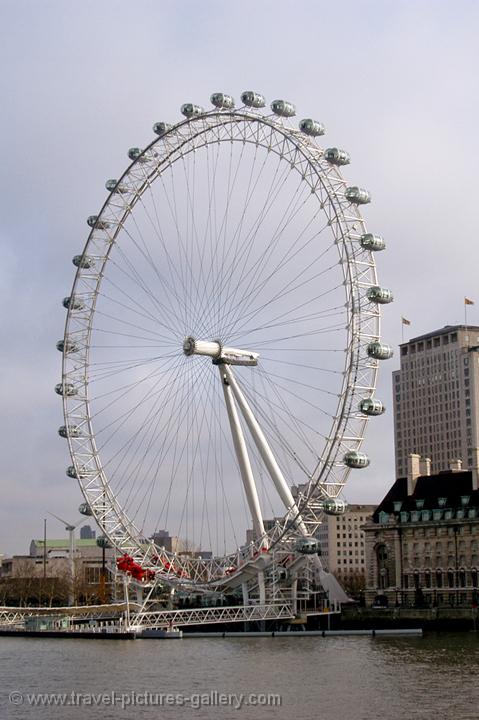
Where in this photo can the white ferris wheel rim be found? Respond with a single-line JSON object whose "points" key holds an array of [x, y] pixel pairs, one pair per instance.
{"points": [[244, 125]]}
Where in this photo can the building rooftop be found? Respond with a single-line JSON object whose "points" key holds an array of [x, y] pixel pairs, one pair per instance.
{"points": [[429, 488], [443, 331], [65, 543]]}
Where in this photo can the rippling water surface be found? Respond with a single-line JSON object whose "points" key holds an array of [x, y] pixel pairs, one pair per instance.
{"points": [[345, 678]]}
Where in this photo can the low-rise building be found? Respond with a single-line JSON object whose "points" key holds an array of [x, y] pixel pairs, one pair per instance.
{"points": [[422, 543]]}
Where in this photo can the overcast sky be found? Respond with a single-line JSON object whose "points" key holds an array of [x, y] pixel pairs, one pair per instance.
{"points": [[396, 84]]}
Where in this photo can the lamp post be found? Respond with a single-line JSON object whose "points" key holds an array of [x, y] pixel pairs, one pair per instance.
{"points": [[103, 543]]}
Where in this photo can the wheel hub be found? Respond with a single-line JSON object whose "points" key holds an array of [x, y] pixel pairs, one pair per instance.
{"points": [[219, 353]]}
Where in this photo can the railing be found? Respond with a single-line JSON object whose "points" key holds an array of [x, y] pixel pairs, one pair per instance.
{"points": [[208, 616], [15, 616]]}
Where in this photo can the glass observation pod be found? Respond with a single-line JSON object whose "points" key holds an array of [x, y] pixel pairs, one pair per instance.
{"points": [[355, 459], [357, 195], [253, 99], [114, 186], [334, 506], [136, 153], [380, 295], [71, 472], [335, 156], [160, 128], [103, 542], [67, 346], [379, 351], [72, 303], [308, 546], [85, 509], [371, 406], [224, 102], [83, 261], [190, 110], [66, 431], [372, 242], [283, 108], [95, 222], [66, 389], [312, 127]]}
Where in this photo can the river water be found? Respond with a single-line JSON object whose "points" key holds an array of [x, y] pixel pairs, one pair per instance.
{"points": [[435, 677]]}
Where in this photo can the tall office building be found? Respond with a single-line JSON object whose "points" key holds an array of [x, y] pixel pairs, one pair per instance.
{"points": [[436, 399]]}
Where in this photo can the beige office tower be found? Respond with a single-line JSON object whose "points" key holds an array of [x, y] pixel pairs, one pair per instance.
{"points": [[436, 399]]}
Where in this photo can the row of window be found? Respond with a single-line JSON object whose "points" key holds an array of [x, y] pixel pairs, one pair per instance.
{"points": [[430, 343]]}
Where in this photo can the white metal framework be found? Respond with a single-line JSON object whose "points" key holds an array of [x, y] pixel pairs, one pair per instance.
{"points": [[232, 241]]}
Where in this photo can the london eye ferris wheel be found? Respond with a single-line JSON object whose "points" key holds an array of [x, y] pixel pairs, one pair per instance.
{"points": [[221, 343]]}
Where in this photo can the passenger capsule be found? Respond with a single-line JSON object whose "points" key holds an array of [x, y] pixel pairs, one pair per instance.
{"points": [[114, 186], [103, 542], [312, 127], [66, 389], [95, 222], [85, 262], [283, 108], [66, 431], [379, 295], [355, 459], [221, 101], [372, 242], [335, 506], [136, 153], [253, 99], [357, 195], [82, 473], [379, 351], [371, 406], [189, 110], [160, 128], [67, 346], [335, 156], [85, 509], [72, 303], [308, 546]]}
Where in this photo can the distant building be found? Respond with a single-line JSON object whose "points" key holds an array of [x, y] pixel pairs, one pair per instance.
{"points": [[86, 533], [436, 398], [171, 543], [422, 544], [342, 541], [54, 565]]}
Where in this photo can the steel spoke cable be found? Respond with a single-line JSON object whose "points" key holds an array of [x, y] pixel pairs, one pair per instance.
{"points": [[139, 279], [206, 299], [248, 298], [277, 438], [144, 311], [238, 265], [279, 296], [225, 276], [295, 205], [137, 471], [145, 252], [152, 298], [152, 470]]}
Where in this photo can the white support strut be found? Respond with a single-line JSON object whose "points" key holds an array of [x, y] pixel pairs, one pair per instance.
{"points": [[264, 449], [243, 458]]}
